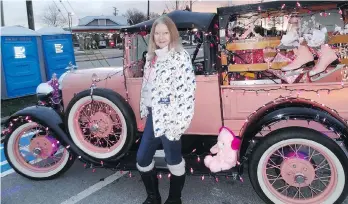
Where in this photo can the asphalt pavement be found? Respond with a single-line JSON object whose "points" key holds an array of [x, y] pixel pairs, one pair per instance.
{"points": [[88, 55], [80, 185]]}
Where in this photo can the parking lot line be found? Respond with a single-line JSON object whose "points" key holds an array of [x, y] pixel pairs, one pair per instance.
{"points": [[96, 187], [5, 173]]}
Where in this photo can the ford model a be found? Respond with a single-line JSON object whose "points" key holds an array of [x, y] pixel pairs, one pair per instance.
{"points": [[254, 80]]}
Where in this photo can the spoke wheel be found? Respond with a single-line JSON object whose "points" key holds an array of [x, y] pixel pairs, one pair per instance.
{"points": [[298, 165], [33, 151], [102, 127]]}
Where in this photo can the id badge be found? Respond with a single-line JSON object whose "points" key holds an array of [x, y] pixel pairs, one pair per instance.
{"points": [[165, 100]]}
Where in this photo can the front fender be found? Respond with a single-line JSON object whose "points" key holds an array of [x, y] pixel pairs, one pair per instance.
{"points": [[41, 113], [290, 108], [81, 80], [51, 119]]}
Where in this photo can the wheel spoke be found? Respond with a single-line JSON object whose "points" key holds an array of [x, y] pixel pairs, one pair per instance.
{"points": [[322, 167], [285, 188], [300, 194], [322, 181], [314, 189], [276, 179], [273, 167], [295, 194], [117, 124], [36, 161], [297, 149], [24, 148], [293, 150], [316, 177], [280, 154], [313, 155], [109, 142], [272, 175]]}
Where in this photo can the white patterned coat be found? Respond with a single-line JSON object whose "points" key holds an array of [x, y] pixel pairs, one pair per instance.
{"points": [[173, 94]]}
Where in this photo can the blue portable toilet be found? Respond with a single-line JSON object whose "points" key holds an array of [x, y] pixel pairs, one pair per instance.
{"points": [[58, 50], [22, 68]]}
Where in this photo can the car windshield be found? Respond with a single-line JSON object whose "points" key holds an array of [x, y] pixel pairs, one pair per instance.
{"points": [[140, 43], [136, 48]]}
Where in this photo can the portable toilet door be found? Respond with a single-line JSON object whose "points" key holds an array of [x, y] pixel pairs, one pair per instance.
{"points": [[58, 50], [21, 65]]}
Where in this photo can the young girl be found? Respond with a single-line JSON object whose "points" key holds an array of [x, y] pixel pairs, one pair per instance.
{"points": [[167, 100]]}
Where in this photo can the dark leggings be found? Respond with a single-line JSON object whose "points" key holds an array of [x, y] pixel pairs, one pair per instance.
{"points": [[150, 143]]}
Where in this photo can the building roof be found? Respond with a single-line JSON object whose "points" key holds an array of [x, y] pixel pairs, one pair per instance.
{"points": [[95, 28], [120, 20]]}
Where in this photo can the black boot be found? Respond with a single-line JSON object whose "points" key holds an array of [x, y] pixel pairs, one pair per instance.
{"points": [[176, 186], [151, 184]]}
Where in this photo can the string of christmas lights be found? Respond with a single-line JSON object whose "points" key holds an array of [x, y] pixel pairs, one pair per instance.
{"points": [[213, 175], [309, 11], [252, 142], [26, 119], [247, 120], [214, 41], [56, 98], [284, 87]]}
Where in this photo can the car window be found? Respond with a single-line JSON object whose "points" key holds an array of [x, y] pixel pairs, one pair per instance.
{"points": [[138, 49]]}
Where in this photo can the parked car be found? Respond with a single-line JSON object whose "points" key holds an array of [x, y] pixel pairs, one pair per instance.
{"points": [[102, 44], [294, 135]]}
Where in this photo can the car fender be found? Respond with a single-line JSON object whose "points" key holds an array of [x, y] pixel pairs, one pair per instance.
{"points": [[290, 108], [77, 81], [51, 119]]}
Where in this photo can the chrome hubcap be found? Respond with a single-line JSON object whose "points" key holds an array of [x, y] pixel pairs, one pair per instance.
{"points": [[94, 128], [300, 178], [37, 151]]}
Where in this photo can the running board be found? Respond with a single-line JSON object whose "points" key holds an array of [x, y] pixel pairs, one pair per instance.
{"points": [[194, 165], [160, 161]]}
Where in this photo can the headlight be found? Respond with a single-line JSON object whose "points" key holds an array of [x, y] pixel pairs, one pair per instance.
{"points": [[43, 90]]}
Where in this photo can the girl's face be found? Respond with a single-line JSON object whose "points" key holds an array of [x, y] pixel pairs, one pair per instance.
{"points": [[162, 35]]}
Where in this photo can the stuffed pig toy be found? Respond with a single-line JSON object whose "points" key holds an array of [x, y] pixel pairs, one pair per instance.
{"points": [[226, 151]]}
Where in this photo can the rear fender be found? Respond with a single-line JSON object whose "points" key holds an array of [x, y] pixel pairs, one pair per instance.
{"points": [[290, 108], [51, 119]]}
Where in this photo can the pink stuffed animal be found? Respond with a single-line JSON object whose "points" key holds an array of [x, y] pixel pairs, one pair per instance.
{"points": [[226, 151]]}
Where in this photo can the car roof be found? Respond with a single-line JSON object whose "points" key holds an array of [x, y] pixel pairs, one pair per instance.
{"points": [[184, 20]]}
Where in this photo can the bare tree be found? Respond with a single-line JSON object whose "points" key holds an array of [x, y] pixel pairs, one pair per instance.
{"points": [[154, 15], [176, 5], [53, 17], [135, 16]]}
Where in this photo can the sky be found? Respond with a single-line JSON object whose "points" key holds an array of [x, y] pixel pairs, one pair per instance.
{"points": [[15, 10]]}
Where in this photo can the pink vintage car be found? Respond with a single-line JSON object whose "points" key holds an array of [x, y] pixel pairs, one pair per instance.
{"points": [[256, 77]]}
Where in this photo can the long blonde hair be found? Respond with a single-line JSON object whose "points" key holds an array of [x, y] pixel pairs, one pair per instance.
{"points": [[174, 36]]}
